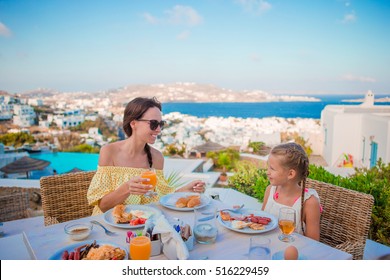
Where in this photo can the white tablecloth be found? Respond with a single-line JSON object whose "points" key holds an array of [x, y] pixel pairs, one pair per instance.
{"points": [[45, 241]]}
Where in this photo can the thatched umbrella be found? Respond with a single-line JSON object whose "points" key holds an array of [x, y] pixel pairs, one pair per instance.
{"points": [[25, 164], [208, 147], [74, 170]]}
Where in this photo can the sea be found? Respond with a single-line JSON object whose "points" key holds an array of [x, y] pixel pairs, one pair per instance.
{"points": [[63, 162], [299, 109]]}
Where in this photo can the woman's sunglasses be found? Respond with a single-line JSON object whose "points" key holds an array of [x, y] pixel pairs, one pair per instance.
{"points": [[153, 124]]}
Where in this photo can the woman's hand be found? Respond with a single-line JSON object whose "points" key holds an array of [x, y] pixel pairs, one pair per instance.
{"points": [[135, 186], [195, 186]]}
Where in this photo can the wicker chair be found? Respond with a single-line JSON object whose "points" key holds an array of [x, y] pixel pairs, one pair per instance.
{"points": [[64, 197], [13, 206], [346, 217]]}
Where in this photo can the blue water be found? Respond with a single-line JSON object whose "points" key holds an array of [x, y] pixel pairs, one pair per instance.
{"points": [[262, 109], [64, 162]]}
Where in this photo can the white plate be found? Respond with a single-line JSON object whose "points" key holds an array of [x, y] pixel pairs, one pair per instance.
{"points": [[58, 255], [273, 224], [169, 200], [109, 219], [280, 256]]}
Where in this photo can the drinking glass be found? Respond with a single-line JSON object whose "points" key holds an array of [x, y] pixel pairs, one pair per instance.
{"points": [[151, 175], [140, 247], [286, 221], [205, 228], [259, 248]]}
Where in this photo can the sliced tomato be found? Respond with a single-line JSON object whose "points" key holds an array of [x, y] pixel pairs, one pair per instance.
{"points": [[134, 222], [138, 221]]}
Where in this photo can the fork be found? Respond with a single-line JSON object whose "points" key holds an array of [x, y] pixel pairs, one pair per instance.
{"points": [[108, 232], [234, 209]]}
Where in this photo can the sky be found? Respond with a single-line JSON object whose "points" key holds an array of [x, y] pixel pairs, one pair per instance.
{"points": [[278, 46]]}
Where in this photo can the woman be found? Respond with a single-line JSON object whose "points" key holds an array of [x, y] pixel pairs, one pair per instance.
{"points": [[117, 180]]}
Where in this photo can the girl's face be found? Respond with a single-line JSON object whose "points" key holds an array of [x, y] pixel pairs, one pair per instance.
{"points": [[142, 127], [277, 174]]}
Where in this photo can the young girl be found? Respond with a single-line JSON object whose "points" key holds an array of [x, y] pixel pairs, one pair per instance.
{"points": [[288, 168], [117, 179]]}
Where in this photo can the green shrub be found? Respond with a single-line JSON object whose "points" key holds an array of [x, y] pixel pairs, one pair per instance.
{"points": [[249, 179], [225, 158], [174, 149], [256, 146], [374, 181], [84, 148], [16, 139]]}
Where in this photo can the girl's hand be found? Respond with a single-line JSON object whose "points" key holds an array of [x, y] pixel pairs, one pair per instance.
{"points": [[135, 186], [195, 186]]}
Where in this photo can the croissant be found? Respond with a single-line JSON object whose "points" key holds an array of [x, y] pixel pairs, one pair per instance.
{"points": [[195, 201], [182, 202]]}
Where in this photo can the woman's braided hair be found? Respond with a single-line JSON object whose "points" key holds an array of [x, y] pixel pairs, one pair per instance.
{"points": [[295, 157], [134, 110]]}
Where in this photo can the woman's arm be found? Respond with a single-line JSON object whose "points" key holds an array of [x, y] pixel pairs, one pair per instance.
{"points": [[311, 215]]}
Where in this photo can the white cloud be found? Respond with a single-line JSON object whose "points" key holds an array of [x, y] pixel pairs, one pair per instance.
{"points": [[178, 15], [350, 17], [184, 15], [255, 57], [353, 78], [4, 31], [183, 35], [149, 18], [255, 6]]}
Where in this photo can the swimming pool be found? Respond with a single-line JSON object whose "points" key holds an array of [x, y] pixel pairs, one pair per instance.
{"points": [[64, 162]]}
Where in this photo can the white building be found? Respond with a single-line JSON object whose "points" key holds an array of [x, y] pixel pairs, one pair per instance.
{"points": [[24, 115], [67, 119], [35, 102], [362, 131], [6, 111]]}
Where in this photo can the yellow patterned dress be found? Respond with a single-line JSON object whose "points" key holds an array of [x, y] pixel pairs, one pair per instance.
{"points": [[109, 178]]}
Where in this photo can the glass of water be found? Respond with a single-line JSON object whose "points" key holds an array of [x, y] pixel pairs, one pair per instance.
{"points": [[205, 228], [259, 248]]}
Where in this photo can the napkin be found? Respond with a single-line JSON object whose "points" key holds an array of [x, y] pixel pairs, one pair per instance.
{"points": [[174, 247]]}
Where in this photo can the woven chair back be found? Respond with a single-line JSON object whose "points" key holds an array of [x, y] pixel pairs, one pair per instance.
{"points": [[346, 217], [64, 197], [13, 206]]}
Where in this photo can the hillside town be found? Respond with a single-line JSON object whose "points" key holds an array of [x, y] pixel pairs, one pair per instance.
{"points": [[45, 112], [57, 122]]}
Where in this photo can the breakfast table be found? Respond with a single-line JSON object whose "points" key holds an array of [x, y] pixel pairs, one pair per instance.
{"points": [[230, 245]]}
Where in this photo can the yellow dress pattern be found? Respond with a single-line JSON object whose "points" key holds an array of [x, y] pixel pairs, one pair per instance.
{"points": [[109, 178]]}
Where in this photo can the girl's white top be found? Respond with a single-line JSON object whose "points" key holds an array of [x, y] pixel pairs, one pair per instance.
{"points": [[273, 206]]}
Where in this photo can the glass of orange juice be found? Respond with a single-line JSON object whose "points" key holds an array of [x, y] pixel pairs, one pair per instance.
{"points": [[151, 175], [140, 247], [286, 221]]}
